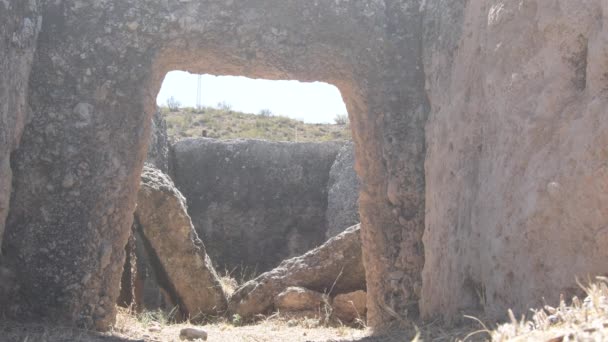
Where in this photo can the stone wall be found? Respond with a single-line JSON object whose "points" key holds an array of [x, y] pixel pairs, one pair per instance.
{"points": [[510, 194], [517, 180], [255, 203], [95, 78]]}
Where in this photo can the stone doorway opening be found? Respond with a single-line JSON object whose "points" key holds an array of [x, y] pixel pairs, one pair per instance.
{"points": [[96, 122], [283, 187]]}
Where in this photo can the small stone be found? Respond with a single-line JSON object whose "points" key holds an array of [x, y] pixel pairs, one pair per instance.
{"points": [[350, 306], [154, 328], [298, 299], [192, 334]]}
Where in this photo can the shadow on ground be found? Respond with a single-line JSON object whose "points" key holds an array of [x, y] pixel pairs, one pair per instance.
{"points": [[19, 332]]}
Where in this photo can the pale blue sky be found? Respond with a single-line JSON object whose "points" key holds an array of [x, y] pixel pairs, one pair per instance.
{"points": [[312, 102]]}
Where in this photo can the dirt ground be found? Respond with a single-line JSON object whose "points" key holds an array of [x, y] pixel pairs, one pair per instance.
{"points": [[575, 320], [131, 328]]}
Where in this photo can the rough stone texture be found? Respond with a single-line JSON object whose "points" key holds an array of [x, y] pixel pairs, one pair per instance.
{"points": [[19, 27], [165, 225], [140, 285], [92, 93], [296, 298], [333, 268], [342, 193], [349, 307], [158, 147], [260, 202], [517, 180], [516, 193], [192, 334]]}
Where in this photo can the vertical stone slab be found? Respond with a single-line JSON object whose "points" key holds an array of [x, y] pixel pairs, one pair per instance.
{"points": [[390, 160], [517, 181], [77, 170]]}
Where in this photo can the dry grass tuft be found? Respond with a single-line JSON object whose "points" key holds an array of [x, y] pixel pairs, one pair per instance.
{"points": [[585, 320], [271, 328], [229, 284]]}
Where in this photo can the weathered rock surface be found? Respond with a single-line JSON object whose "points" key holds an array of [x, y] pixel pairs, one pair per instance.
{"points": [[514, 179], [349, 307], [296, 298], [19, 26], [191, 334], [98, 68], [260, 202], [342, 193], [517, 180], [167, 229], [333, 268]]}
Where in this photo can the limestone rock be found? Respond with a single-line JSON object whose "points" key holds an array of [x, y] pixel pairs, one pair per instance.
{"points": [[167, 228], [348, 307], [343, 193], [480, 134], [192, 334], [517, 139], [296, 298], [333, 268], [108, 61], [259, 201]]}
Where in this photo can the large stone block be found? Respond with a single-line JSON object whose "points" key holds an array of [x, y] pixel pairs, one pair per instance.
{"points": [[516, 173], [259, 202]]}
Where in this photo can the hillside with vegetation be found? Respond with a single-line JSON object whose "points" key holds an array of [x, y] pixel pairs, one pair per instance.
{"points": [[224, 123]]}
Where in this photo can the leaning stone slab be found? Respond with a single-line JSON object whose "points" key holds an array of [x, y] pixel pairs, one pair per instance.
{"points": [[333, 268], [165, 225]]}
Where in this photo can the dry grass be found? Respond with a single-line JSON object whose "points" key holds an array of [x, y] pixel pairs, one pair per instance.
{"points": [[227, 124], [585, 320], [581, 320], [273, 328]]}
